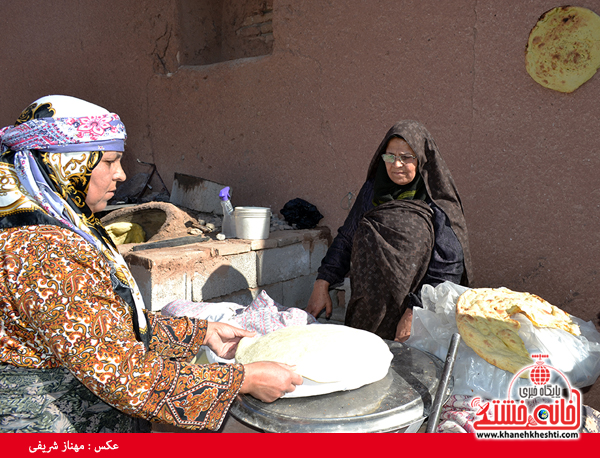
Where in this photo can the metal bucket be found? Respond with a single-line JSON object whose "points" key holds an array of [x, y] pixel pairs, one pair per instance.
{"points": [[252, 223]]}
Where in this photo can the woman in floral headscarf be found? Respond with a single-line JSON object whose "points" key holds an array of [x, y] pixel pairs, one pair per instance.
{"points": [[78, 350]]}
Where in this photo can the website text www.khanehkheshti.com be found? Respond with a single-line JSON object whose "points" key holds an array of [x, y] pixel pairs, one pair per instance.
{"points": [[528, 435]]}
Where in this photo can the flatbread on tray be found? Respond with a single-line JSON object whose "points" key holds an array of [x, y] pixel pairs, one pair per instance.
{"points": [[323, 353], [563, 50], [483, 318]]}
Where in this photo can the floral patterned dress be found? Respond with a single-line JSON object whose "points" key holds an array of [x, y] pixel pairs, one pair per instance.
{"points": [[69, 357]]}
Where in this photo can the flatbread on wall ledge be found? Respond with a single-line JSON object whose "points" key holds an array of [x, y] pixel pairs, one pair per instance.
{"points": [[563, 50], [483, 318]]}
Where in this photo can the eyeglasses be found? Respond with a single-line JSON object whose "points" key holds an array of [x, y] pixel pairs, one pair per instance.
{"points": [[404, 158]]}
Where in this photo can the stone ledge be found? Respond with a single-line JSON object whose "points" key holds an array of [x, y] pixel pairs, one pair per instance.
{"points": [[277, 239], [284, 265], [257, 245], [148, 258]]}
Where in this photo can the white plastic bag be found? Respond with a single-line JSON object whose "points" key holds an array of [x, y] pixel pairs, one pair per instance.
{"points": [[434, 324]]}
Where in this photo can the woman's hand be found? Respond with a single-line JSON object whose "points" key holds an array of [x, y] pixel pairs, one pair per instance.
{"points": [[223, 338], [404, 326], [320, 299], [268, 380]]}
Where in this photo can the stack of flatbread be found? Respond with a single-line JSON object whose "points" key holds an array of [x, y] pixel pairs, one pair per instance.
{"points": [[335, 357], [483, 318]]}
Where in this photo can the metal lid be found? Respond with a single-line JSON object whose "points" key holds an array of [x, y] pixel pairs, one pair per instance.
{"points": [[404, 396]]}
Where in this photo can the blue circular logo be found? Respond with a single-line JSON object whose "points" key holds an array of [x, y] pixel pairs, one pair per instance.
{"points": [[543, 414]]}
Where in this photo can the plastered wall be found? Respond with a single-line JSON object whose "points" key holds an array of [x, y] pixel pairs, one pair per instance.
{"points": [[303, 115]]}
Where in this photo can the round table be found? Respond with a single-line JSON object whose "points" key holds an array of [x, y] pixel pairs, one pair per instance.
{"points": [[402, 398]]}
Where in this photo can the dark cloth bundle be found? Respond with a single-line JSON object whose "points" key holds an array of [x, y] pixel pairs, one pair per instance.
{"points": [[301, 213]]}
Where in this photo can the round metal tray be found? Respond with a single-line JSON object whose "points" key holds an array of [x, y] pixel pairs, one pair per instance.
{"points": [[403, 397]]}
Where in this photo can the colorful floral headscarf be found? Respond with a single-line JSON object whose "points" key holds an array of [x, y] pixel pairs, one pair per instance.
{"points": [[46, 161]]}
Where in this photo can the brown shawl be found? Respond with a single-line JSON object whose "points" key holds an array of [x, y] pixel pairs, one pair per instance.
{"points": [[391, 251]]}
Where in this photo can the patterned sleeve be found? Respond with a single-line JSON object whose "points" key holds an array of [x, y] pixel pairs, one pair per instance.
{"points": [[61, 293], [175, 337]]}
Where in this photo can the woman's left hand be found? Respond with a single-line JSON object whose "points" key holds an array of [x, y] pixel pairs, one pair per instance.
{"points": [[403, 328], [223, 338]]}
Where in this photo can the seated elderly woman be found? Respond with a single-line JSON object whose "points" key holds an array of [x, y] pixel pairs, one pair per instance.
{"points": [[78, 350], [406, 229]]}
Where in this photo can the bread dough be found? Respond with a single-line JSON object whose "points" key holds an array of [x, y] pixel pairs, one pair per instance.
{"points": [[324, 353], [124, 232]]}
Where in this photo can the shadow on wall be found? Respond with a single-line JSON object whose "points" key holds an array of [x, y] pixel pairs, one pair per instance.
{"points": [[226, 30], [227, 284]]}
